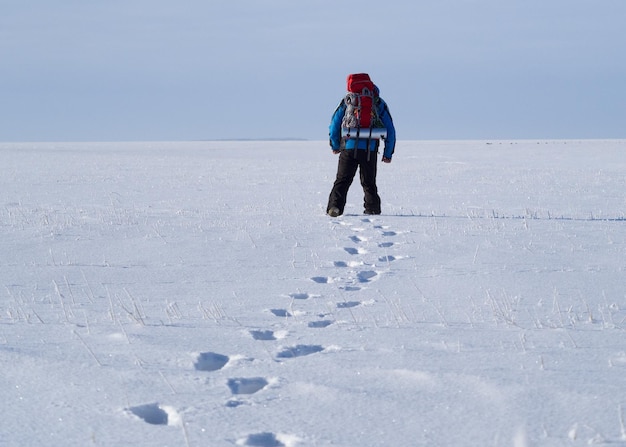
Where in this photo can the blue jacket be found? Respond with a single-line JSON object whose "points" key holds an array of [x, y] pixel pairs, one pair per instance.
{"points": [[385, 116]]}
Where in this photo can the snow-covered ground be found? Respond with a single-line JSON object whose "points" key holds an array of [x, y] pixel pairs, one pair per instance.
{"points": [[195, 294]]}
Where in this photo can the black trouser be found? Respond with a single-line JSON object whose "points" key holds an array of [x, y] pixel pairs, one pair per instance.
{"points": [[348, 164]]}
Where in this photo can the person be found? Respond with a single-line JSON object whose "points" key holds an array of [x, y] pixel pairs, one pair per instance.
{"points": [[359, 153]]}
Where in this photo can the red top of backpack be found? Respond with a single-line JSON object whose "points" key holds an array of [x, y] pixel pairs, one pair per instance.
{"points": [[357, 82]]}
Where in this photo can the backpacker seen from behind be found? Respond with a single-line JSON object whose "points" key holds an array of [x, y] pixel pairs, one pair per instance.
{"points": [[361, 119]]}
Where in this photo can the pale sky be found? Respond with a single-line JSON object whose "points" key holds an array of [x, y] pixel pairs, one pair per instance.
{"points": [[121, 70]]}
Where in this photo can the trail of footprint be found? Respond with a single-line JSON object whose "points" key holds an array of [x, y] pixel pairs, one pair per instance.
{"points": [[242, 386]]}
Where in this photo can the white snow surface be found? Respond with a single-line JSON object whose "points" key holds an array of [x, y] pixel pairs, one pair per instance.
{"points": [[195, 294]]}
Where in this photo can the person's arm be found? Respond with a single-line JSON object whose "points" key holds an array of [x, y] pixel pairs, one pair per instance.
{"points": [[390, 140], [335, 127]]}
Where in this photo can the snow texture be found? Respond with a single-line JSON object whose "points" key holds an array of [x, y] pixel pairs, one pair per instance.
{"points": [[168, 294]]}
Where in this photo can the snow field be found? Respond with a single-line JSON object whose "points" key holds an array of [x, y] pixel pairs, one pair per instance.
{"points": [[196, 294]]}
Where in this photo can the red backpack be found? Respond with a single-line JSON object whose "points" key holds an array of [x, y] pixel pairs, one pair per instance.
{"points": [[361, 100]]}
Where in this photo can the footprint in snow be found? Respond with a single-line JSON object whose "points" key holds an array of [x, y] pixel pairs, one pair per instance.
{"points": [[355, 251], [389, 233], [280, 312], [234, 403], [265, 439], [366, 275], [263, 335], [155, 414], [299, 351], [210, 361], [357, 239], [299, 296], [268, 335], [350, 288], [348, 304], [320, 324], [342, 222], [344, 264], [321, 279], [386, 258], [386, 244], [247, 385]]}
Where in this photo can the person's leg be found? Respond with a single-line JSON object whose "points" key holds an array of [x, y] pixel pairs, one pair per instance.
{"points": [[346, 170], [367, 170]]}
